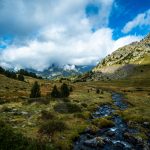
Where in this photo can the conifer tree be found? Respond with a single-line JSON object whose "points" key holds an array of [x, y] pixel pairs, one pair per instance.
{"points": [[55, 93], [35, 91], [20, 77], [65, 91]]}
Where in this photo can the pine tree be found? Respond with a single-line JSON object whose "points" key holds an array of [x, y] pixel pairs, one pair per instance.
{"points": [[55, 93], [97, 91], [2, 70], [71, 89], [35, 91], [20, 77], [65, 91]]}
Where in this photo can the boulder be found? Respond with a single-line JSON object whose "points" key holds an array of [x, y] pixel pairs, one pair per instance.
{"points": [[95, 142], [146, 124], [110, 133]]}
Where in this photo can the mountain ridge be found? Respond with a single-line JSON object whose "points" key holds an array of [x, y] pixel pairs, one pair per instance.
{"points": [[56, 71], [123, 62]]}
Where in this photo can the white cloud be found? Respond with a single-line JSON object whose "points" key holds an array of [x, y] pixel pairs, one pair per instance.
{"points": [[63, 33], [138, 21], [124, 41], [87, 48]]}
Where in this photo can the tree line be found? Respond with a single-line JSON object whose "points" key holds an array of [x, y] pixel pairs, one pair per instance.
{"points": [[30, 74], [18, 75], [55, 93]]}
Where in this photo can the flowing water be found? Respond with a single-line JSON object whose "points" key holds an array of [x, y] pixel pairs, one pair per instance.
{"points": [[111, 138]]}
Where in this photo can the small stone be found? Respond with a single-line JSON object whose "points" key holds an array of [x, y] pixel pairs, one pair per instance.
{"points": [[110, 133], [119, 145], [24, 113], [146, 124], [97, 141]]}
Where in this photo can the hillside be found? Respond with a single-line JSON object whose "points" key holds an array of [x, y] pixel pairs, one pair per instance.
{"points": [[124, 62]]}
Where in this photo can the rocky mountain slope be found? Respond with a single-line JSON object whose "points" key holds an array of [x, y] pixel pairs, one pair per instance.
{"points": [[123, 62], [127, 55]]}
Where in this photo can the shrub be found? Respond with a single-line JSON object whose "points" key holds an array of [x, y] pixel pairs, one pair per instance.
{"points": [[72, 108], [35, 91], [45, 115], [52, 126], [103, 122], [71, 89], [10, 140], [67, 108], [55, 93], [97, 91], [84, 105], [61, 108], [2, 70], [20, 77], [2, 101], [65, 91]]}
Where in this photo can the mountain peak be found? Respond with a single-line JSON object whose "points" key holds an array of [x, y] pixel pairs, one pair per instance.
{"points": [[129, 54]]}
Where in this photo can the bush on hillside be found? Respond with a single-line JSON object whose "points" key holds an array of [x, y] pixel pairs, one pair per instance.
{"points": [[2, 70], [45, 115], [10, 140], [35, 91], [52, 126], [55, 93], [20, 77], [67, 107], [97, 91], [65, 91]]}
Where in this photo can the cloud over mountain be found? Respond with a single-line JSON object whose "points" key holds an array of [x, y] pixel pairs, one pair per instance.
{"points": [[63, 32]]}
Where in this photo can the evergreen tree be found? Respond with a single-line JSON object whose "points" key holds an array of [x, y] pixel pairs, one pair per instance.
{"points": [[2, 70], [35, 91], [55, 93], [71, 89], [20, 77], [65, 91], [10, 74], [97, 91]]}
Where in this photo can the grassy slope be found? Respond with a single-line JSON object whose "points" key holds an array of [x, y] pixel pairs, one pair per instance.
{"points": [[17, 93]]}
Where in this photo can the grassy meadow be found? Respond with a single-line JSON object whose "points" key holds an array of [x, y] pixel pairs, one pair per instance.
{"points": [[58, 121]]}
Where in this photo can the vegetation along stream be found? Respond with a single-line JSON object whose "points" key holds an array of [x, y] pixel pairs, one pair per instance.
{"points": [[115, 137]]}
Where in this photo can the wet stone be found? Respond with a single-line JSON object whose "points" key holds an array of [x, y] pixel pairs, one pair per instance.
{"points": [[97, 141], [103, 111], [110, 133]]}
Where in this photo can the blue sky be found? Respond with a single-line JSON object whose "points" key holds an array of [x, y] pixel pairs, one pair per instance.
{"points": [[82, 31], [124, 11]]}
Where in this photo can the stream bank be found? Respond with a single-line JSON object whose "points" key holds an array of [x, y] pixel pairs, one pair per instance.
{"points": [[118, 137]]}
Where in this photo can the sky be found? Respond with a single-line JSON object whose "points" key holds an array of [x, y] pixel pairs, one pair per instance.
{"points": [[35, 34]]}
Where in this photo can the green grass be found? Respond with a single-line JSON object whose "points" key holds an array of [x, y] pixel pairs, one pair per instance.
{"points": [[78, 106], [15, 95], [102, 122]]}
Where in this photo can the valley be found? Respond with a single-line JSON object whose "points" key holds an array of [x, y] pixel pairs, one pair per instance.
{"points": [[105, 108], [26, 118]]}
